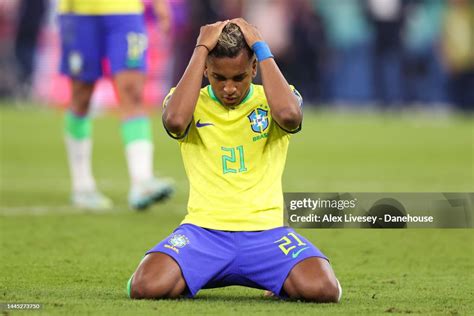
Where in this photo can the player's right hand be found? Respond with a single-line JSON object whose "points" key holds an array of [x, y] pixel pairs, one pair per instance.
{"points": [[209, 34]]}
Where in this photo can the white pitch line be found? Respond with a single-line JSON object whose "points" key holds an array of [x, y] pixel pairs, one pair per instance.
{"points": [[39, 210]]}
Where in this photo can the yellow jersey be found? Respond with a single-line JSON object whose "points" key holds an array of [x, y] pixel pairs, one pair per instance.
{"points": [[234, 159], [100, 7]]}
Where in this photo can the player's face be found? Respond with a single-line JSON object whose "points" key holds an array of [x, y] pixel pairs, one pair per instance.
{"points": [[230, 78]]}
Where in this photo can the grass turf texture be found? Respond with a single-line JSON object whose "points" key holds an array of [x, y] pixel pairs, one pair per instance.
{"points": [[74, 262]]}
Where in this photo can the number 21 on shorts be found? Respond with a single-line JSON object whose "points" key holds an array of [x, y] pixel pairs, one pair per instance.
{"points": [[286, 244]]}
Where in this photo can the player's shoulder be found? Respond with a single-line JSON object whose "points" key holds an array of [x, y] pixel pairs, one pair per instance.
{"points": [[168, 97], [260, 87], [259, 92], [204, 95], [205, 92]]}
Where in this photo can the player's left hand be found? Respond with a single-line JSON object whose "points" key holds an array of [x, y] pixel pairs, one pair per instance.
{"points": [[251, 33]]}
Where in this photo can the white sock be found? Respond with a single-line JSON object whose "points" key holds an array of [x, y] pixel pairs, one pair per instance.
{"points": [[140, 161], [79, 155]]}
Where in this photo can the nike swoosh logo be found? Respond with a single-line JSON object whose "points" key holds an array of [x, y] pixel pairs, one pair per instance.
{"points": [[296, 254], [199, 124]]}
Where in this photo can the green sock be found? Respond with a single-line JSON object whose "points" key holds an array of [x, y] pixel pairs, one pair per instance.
{"points": [[134, 129], [77, 127], [129, 287]]}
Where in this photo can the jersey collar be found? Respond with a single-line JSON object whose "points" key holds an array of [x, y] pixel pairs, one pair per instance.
{"points": [[213, 96]]}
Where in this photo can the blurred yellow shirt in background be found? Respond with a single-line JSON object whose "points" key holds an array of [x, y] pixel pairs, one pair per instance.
{"points": [[100, 7], [458, 37]]}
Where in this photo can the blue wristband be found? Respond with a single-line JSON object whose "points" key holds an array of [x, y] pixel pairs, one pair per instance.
{"points": [[262, 51]]}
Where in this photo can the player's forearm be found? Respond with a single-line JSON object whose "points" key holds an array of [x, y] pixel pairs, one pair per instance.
{"points": [[180, 108], [283, 103]]}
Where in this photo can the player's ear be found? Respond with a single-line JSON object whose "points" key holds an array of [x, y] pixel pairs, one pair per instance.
{"points": [[206, 74], [254, 67]]}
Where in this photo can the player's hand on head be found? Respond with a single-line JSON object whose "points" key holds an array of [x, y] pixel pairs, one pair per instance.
{"points": [[251, 33], [209, 34]]}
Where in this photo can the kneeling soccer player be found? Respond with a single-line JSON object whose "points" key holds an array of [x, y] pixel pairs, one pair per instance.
{"points": [[234, 138]]}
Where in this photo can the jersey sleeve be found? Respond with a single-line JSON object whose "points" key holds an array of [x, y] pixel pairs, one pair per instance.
{"points": [[164, 105], [298, 96]]}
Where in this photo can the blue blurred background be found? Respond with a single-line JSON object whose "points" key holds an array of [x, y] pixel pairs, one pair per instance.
{"points": [[381, 54]]}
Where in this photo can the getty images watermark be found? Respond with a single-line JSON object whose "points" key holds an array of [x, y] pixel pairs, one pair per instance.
{"points": [[379, 210]]}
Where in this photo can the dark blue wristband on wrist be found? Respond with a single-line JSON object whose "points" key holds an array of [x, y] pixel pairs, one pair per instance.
{"points": [[262, 51]]}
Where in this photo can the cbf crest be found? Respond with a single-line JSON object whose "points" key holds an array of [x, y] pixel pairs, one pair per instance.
{"points": [[178, 240], [258, 120]]}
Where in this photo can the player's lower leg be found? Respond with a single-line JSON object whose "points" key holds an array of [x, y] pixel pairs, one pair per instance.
{"points": [[271, 294], [78, 130], [145, 188]]}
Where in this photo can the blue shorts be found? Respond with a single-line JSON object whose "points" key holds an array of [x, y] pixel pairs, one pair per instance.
{"points": [[212, 258], [87, 40]]}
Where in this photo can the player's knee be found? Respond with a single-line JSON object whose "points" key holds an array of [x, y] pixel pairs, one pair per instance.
{"points": [[145, 288], [130, 92], [81, 95], [324, 290], [141, 288]]}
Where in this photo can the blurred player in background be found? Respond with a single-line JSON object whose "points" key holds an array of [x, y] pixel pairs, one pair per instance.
{"points": [[458, 52], [92, 30], [31, 14], [234, 137]]}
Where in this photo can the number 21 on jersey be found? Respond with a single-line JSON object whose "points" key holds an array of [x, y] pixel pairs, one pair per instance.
{"points": [[233, 159]]}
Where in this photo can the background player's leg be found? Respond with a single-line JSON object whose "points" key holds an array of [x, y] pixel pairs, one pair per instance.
{"points": [[130, 85], [81, 47], [81, 96], [313, 280], [136, 133], [126, 47], [157, 276], [78, 130]]}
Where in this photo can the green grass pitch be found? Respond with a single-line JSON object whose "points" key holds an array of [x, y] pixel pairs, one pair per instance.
{"points": [[74, 262]]}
